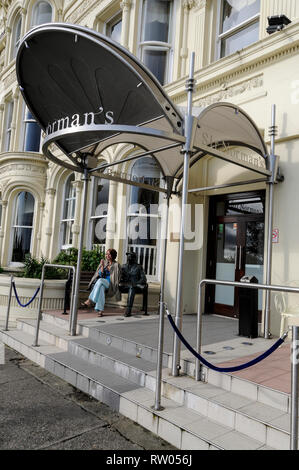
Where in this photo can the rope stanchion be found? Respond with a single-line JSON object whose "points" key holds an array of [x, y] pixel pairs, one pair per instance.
{"points": [[225, 369], [18, 300]]}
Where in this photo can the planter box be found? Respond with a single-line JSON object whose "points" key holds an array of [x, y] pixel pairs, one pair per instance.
{"points": [[53, 297]]}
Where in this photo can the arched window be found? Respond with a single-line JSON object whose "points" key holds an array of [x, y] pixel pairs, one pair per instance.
{"points": [[16, 36], [99, 212], [22, 226], [68, 213], [42, 13], [32, 133], [143, 221], [156, 37], [8, 122]]}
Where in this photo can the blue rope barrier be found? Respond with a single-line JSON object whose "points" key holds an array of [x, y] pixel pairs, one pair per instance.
{"points": [[225, 369], [18, 300]]}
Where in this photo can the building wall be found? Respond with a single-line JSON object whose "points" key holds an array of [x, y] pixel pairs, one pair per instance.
{"points": [[264, 73]]}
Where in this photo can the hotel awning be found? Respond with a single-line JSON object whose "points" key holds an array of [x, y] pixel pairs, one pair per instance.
{"points": [[88, 93]]}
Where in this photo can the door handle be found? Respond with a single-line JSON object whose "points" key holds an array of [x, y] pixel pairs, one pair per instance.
{"points": [[240, 258]]}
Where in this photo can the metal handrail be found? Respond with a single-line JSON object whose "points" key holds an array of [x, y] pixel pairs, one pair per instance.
{"points": [[60, 266], [295, 337]]}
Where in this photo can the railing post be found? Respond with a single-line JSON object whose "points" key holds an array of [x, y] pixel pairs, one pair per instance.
{"points": [[294, 391], [199, 333], [9, 302], [35, 344]]}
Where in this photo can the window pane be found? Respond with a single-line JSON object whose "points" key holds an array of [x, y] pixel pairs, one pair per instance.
{"points": [[32, 137], [16, 37], [21, 244], [24, 209], [238, 41], [156, 20], [155, 60], [102, 192], [42, 13], [237, 11], [9, 112], [114, 31]]}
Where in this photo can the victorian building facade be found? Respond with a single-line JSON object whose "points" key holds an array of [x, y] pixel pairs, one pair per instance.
{"points": [[237, 61]]}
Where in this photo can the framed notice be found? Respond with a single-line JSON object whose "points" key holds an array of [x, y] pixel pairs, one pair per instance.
{"points": [[275, 236]]}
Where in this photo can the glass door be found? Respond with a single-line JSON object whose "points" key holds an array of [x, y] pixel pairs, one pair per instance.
{"points": [[235, 248]]}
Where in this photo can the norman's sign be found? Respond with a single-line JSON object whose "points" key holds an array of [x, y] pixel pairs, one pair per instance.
{"points": [[76, 120]]}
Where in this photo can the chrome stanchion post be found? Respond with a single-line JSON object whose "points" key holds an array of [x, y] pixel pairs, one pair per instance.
{"points": [[157, 406], [8, 304], [189, 132], [72, 298], [199, 333], [273, 167], [294, 390], [39, 306], [80, 249]]}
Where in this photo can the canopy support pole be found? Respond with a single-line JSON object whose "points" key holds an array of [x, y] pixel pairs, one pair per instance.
{"points": [[189, 133], [157, 406], [273, 167], [85, 179]]}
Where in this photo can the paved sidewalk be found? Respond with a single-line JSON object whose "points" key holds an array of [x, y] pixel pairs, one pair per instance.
{"points": [[40, 411]]}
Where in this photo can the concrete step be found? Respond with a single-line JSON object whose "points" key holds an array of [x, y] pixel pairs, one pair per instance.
{"points": [[227, 382], [182, 427], [245, 415]]}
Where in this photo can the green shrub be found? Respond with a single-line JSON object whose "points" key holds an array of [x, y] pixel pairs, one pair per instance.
{"points": [[90, 258], [33, 269]]}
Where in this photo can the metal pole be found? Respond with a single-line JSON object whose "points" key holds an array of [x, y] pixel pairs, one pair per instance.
{"points": [[39, 306], [157, 405], [72, 298], [294, 392], [179, 300], [267, 333], [9, 302], [199, 335], [80, 248]]}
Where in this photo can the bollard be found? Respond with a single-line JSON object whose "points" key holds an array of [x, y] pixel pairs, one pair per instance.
{"points": [[8, 304]]}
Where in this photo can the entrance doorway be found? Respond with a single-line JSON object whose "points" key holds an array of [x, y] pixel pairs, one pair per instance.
{"points": [[235, 248]]}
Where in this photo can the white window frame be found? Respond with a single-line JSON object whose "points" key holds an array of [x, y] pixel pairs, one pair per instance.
{"points": [[232, 31], [115, 19], [158, 45], [8, 123], [68, 221], [35, 14], [14, 226], [24, 128], [93, 218], [158, 217], [17, 25]]}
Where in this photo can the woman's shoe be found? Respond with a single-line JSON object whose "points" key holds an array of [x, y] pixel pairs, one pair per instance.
{"points": [[85, 306], [100, 313]]}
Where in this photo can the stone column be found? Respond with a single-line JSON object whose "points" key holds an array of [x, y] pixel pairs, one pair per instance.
{"points": [[14, 120], [125, 5], [23, 24], [2, 124], [202, 37], [187, 5], [37, 230], [49, 227], [2, 232], [78, 184], [111, 222]]}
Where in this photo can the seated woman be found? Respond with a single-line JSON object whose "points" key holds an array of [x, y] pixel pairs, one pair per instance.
{"points": [[105, 282]]}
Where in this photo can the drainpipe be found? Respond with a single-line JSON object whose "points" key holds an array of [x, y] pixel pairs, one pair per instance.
{"points": [[273, 166]]}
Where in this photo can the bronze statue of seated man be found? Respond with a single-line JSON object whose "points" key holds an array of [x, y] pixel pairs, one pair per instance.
{"points": [[133, 281]]}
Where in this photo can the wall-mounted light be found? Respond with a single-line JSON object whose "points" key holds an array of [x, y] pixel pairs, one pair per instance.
{"points": [[277, 23]]}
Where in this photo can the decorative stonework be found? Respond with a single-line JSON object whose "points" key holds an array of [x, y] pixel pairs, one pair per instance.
{"points": [[227, 92], [22, 168], [82, 11], [199, 4]]}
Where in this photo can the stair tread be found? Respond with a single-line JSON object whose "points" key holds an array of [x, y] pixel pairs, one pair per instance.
{"points": [[217, 395]]}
